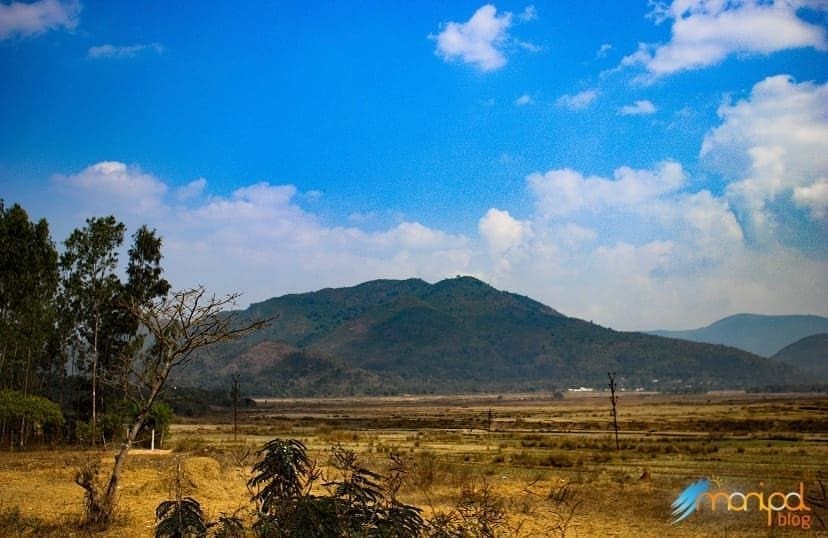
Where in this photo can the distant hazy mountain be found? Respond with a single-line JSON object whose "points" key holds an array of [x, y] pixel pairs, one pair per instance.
{"points": [[763, 335], [460, 334], [809, 354]]}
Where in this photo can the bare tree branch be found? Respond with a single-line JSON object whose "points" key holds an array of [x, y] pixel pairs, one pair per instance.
{"points": [[179, 324]]}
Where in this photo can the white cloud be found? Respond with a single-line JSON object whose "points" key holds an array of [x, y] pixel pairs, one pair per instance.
{"points": [[505, 238], [257, 239], [814, 197], [528, 14], [640, 248], [645, 255], [524, 100], [191, 190], [774, 147], [123, 51], [565, 191], [114, 186], [646, 248], [573, 235], [603, 50], [478, 41], [526, 45], [705, 32], [639, 108], [501, 232], [579, 101], [28, 19]]}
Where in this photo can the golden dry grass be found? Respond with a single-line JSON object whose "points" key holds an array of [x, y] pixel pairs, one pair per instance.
{"points": [[543, 459]]}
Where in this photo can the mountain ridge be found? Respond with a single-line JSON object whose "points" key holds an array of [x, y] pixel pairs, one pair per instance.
{"points": [[762, 334], [461, 334], [810, 354]]}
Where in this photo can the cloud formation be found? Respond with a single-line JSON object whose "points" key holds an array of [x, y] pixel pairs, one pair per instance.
{"points": [[257, 239], [646, 248], [579, 101], [123, 51], [774, 147], [478, 41], [637, 248], [565, 191], [30, 19], [639, 108], [705, 32], [125, 189]]}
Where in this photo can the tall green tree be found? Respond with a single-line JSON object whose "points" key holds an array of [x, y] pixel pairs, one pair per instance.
{"points": [[90, 289], [28, 284], [144, 284]]}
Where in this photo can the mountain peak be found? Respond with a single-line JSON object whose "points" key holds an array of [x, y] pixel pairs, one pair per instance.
{"points": [[461, 334]]}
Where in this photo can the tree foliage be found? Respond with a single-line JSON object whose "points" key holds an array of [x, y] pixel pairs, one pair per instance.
{"points": [[180, 518], [28, 283], [27, 415]]}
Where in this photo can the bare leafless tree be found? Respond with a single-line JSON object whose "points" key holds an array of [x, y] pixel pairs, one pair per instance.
{"points": [[179, 324]]}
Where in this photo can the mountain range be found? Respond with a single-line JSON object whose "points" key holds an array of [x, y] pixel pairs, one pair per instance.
{"points": [[457, 335], [760, 334]]}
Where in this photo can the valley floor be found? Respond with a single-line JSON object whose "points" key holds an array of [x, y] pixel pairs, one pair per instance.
{"points": [[550, 466]]}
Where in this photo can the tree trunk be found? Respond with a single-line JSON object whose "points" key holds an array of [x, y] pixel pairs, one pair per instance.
{"points": [[25, 393], [110, 497], [94, 380]]}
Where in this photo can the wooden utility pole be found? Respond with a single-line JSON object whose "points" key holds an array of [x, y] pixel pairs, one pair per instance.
{"points": [[614, 401], [235, 405]]}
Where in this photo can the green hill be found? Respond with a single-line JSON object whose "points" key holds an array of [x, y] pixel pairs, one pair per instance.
{"points": [[759, 334], [809, 354], [460, 334]]}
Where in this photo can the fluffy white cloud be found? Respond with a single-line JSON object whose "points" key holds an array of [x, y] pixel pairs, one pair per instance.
{"points": [[814, 197], [705, 32], [257, 239], [579, 101], [123, 51], [524, 100], [647, 248], [114, 185], [691, 266], [478, 41], [502, 232], [639, 108], [191, 190], [28, 19], [565, 191], [642, 248], [773, 146]]}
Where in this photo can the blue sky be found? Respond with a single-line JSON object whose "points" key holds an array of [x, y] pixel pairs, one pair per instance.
{"points": [[639, 164]]}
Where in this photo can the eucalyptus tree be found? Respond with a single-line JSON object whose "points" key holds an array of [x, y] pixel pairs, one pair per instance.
{"points": [[28, 283], [90, 287], [105, 336], [144, 284]]}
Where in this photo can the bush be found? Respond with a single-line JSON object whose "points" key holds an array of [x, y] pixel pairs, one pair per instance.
{"points": [[180, 518], [360, 503], [36, 414]]}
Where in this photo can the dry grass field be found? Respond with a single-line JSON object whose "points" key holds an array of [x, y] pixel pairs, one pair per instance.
{"points": [[548, 466]]}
